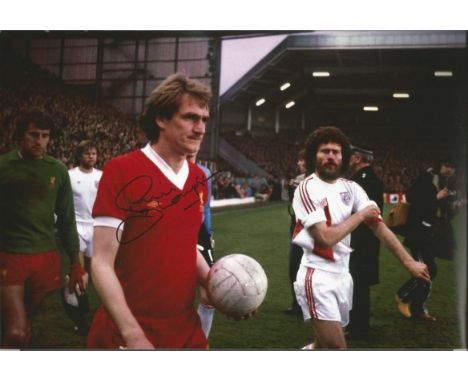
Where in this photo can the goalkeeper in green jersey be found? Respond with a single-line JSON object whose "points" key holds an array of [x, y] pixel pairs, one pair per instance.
{"points": [[36, 201]]}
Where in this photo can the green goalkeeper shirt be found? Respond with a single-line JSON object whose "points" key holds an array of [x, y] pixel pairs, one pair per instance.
{"points": [[35, 199]]}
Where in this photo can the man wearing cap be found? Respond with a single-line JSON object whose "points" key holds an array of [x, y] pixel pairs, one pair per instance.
{"points": [[431, 200], [364, 260]]}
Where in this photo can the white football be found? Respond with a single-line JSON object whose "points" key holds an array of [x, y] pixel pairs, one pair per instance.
{"points": [[237, 285]]}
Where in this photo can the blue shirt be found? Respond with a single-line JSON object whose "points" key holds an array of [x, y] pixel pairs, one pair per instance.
{"points": [[207, 208]]}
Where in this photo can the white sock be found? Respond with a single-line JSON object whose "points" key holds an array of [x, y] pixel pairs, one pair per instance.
{"points": [[309, 347], [206, 313]]}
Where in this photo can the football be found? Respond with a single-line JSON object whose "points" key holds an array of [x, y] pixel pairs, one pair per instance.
{"points": [[237, 285]]}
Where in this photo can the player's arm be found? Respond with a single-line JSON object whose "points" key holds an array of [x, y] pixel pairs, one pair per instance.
{"points": [[66, 227], [66, 224], [105, 247], [202, 274], [327, 236], [202, 269], [391, 242], [314, 220]]}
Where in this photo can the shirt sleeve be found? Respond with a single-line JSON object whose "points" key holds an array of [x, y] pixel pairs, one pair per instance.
{"points": [[304, 209], [111, 199], [65, 211], [362, 201], [108, 221]]}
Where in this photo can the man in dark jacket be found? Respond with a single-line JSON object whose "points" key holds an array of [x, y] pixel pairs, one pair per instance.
{"points": [[295, 252], [364, 260], [430, 198]]}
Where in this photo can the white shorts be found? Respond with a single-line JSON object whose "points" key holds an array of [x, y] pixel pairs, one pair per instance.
{"points": [[324, 295], [85, 234]]}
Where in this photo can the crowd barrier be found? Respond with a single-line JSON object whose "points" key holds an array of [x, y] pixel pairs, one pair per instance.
{"points": [[231, 202]]}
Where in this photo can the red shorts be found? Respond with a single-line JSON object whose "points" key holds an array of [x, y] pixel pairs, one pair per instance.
{"points": [[38, 272], [178, 332]]}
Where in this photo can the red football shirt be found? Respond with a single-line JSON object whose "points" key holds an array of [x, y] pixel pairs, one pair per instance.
{"points": [[156, 260]]}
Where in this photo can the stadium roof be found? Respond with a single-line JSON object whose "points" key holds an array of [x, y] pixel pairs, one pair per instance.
{"points": [[132, 34], [365, 69]]}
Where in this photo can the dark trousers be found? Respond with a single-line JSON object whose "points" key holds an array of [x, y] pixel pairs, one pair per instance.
{"points": [[295, 256], [416, 291], [360, 313]]}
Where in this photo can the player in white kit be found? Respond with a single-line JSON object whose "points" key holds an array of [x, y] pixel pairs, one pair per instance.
{"points": [[85, 180], [328, 208]]}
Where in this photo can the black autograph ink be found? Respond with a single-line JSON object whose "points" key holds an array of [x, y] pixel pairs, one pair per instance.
{"points": [[142, 208]]}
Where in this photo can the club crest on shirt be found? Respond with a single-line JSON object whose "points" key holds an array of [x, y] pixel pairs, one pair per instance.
{"points": [[345, 197], [51, 182], [153, 204]]}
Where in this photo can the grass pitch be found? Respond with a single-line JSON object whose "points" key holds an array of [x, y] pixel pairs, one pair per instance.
{"points": [[262, 233]]}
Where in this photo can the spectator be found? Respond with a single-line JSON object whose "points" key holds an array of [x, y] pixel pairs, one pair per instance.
{"points": [[364, 260], [430, 197], [295, 251]]}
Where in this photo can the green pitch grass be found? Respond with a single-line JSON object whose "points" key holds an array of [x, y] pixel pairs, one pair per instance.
{"points": [[262, 232]]}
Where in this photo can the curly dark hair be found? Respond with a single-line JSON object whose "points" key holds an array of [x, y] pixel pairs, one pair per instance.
{"points": [[323, 135]]}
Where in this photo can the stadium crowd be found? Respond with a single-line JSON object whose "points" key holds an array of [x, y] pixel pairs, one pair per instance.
{"points": [[398, 159], [75, 116]]}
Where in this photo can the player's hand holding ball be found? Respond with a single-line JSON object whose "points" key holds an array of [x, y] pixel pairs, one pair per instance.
{"points": [[237, 286]]}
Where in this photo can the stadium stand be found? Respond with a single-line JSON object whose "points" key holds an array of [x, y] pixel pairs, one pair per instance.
{"points": [[76, 116], [400, 155]]}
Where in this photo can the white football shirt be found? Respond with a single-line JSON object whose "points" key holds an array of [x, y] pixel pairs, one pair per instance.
{"points": [[84, 186], [318, 201]]}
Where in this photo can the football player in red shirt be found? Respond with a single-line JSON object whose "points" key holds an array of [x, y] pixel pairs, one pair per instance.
{"points": [[148, 211]]}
